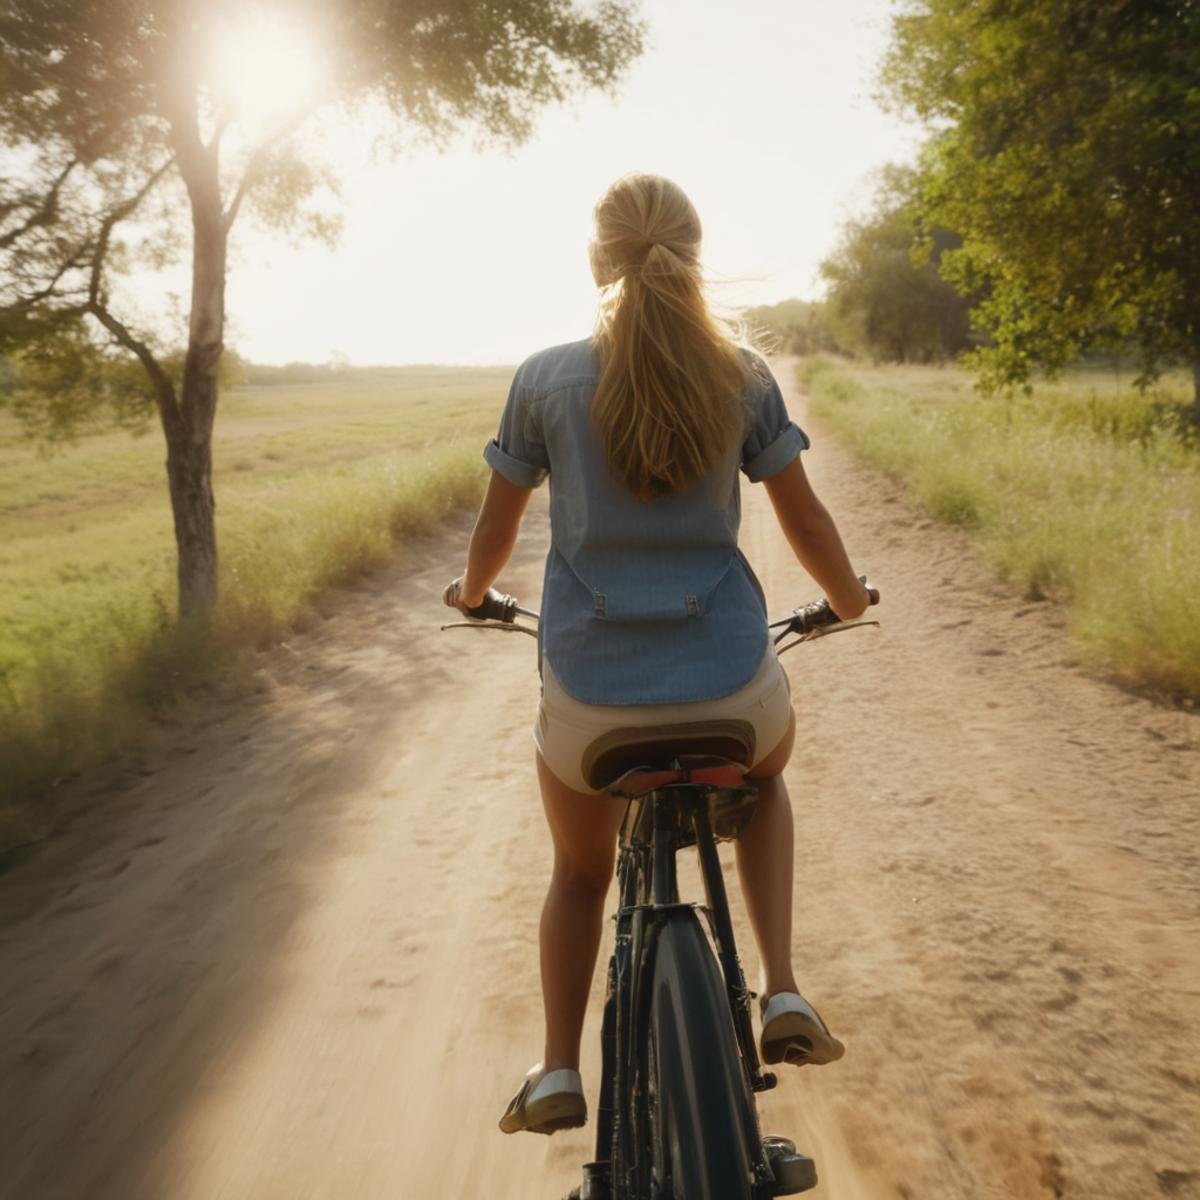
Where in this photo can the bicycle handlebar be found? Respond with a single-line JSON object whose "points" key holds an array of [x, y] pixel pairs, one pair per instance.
{"points": [[806, 622]]}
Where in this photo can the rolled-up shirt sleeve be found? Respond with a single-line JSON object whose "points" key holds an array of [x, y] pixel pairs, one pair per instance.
{"points": [[518, 451], [774, 439]]}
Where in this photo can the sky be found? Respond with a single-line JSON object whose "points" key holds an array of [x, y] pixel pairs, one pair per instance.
{"points": [[761, 111]]}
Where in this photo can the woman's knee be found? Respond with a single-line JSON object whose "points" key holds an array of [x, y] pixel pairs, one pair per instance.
{"points": [[588, 878]]}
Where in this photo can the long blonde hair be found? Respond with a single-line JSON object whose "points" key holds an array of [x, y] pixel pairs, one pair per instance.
{"points": [[669, 402]]}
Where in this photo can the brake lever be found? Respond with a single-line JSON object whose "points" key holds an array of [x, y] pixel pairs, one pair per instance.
{"points": [[506, 626], [824, 631]]}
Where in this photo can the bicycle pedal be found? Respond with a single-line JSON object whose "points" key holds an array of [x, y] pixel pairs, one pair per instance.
{"points": [[795, 1051], [792, 1172], [798, 1052]]}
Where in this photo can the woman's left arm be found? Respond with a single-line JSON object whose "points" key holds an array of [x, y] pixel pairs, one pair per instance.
{"points": [[492, 541]]}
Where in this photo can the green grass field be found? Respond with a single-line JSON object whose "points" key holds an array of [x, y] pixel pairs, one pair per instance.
{"points": [[313, 483], [1086, 492]]}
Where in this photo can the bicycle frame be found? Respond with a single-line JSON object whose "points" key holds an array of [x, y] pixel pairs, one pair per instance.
{"points": [[656, 826]]}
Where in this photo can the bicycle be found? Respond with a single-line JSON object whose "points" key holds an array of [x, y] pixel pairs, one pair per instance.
{"points": [[676, 1118]]}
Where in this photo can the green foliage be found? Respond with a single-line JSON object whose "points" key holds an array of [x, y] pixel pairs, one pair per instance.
{"points": [[1087, 493], [1066, 153], [65, 384], [886, 299]]}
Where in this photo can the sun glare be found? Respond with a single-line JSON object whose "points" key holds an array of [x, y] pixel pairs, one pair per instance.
{"points": [[264, 69]]}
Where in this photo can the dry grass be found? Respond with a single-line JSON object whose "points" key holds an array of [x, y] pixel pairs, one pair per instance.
{"points": [[314, 485], [1086, 492]]}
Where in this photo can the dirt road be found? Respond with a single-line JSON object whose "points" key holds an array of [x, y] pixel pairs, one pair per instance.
{"points": [[297, 958]]}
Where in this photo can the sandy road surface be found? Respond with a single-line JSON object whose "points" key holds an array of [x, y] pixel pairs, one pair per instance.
{"points": [[297, 959]]}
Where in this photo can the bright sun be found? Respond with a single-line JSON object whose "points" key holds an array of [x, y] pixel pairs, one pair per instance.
{"points": [[264, 69]]}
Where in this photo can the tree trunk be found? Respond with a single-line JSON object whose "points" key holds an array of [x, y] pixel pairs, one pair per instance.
{"points": [[189, 476], [189, 445]]}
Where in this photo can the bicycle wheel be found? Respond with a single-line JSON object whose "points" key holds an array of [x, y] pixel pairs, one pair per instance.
{"points": [[702, 1113]]}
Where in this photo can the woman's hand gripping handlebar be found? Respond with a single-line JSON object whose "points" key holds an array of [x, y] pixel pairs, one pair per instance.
{"points": [[497, 610], [818, 619]]}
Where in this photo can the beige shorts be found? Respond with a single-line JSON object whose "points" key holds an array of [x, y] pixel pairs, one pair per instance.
{"points": [[566, 727]]}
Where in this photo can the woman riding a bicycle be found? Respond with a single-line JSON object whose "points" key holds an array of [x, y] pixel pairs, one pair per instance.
{"points": [[650, 613]]}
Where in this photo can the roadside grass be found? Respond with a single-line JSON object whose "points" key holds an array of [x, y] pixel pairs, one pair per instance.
{"points": [[314, 484], [1086, 492]]}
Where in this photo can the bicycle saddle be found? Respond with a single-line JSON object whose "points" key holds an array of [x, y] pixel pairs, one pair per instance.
{"points": [[724, 793], [716, 772], [653, 750]]}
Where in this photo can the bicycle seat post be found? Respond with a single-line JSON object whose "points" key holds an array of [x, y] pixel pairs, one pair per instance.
{"points": [[667, 817]]}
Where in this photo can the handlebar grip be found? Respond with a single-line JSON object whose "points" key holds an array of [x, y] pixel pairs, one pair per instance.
{"points": [[819, 613], [496, 606], [812, 616]]}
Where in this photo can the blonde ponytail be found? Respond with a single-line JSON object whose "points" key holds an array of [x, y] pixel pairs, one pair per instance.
{"points": [[669, 402]]}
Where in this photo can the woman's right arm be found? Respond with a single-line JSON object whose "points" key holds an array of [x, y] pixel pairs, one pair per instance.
{"points": [[814, 537]]}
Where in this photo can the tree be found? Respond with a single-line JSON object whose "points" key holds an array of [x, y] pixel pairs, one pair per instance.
{"points": [[1066, 152], [886, 297], [115, 118]]}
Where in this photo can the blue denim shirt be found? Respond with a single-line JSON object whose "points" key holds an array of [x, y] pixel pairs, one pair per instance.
{"points": [[644, 602]]}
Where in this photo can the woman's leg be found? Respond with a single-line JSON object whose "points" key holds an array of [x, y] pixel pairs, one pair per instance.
{"points": [[765, 866], [584, 828]]}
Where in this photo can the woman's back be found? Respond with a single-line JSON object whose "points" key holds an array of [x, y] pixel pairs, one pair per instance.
{"points": [[646, 600]]}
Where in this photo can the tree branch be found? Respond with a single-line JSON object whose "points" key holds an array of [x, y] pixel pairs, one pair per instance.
{"points": [[244, 184], [47, 290], [164, 390], [222, 124], [286, 127], [44, 212], [118, 214]]}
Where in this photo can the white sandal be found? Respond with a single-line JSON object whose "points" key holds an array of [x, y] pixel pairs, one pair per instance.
{"points": [[546, 1102], [793, 1032]]}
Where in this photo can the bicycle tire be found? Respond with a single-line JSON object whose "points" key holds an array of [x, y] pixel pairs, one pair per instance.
{"points": [[703, 1123]]}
